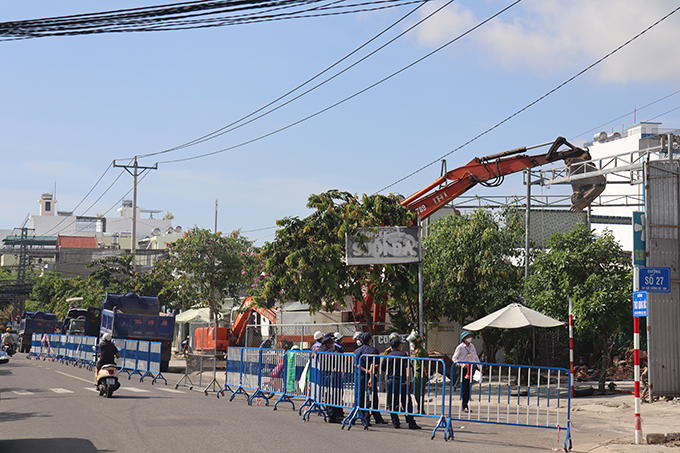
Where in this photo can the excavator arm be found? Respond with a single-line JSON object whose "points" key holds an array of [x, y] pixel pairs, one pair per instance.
{"points": [[491, 169]]}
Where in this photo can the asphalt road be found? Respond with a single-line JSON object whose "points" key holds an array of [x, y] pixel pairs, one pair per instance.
{"points": [[53, 407]]}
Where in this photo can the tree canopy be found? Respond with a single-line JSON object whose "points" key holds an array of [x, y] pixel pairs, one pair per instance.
{"points": [[306, 261], [594, 272], [473, 266], [208, 267]]}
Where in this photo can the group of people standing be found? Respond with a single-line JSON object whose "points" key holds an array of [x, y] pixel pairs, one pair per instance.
{"points": [[393, 372]]}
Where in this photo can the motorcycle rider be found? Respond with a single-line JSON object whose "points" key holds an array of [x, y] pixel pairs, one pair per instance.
{"points": [[7, 337], [108, 352]]}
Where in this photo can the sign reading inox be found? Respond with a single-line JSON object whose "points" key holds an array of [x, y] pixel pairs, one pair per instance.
{"points": [[389, 245]]}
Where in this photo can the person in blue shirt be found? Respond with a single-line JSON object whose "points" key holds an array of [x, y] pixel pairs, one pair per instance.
{"points": [[397, 369], [368, 391]]}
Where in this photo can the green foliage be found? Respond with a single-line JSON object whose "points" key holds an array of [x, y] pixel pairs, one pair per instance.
{"points": [[593, 271], [207, 267], [305, 262], [472, 265], [596, 274]]}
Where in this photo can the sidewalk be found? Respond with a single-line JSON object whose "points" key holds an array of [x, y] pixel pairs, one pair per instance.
{"points": [[606, 423]]}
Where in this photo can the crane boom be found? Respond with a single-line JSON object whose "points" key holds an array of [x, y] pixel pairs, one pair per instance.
{"points": [[482, 170]]}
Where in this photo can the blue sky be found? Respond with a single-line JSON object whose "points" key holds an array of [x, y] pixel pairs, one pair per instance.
{"points": [[71, 105]]}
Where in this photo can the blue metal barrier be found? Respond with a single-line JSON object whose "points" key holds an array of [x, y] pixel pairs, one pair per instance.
{"points": [[397, 381], [513, 395], [333, 386], [137, 357]]}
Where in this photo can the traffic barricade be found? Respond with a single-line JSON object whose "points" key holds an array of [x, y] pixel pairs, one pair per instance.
{"points": [[521, 395], [405, 386], [36, 347], [333, 384], [232, 371], [272, 375], [155, 362], [250, 377], [143, 353], [128, 353], [296, 376]]}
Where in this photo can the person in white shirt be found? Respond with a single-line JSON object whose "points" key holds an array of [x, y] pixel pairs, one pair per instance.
{"points": [[465, 352]]}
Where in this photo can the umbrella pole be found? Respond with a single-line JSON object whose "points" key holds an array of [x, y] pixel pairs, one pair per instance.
{"points": [[533, 332]]}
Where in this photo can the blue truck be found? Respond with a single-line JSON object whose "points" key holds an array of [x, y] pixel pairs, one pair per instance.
{"points": [[35, 322], [134, 317]]}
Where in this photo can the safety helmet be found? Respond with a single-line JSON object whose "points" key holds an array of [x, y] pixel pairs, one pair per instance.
{"points": [[295, 348], [106, 337], [8, 330], [318, 335], [337, 336], [414, 337], [465, 334], [393, 335], [356, 335]]}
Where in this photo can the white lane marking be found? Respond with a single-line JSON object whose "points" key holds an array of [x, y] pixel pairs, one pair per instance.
{"points": [[92, 389], [170, 390], [58, 390], [22, 392], [135, 389]]}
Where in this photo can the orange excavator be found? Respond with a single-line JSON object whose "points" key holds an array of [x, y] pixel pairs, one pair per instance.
{"points": [[490, 170], [205, 337]]}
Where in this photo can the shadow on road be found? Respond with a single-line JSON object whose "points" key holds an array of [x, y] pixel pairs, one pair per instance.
{"points": [[65, 445], [18, 416]]}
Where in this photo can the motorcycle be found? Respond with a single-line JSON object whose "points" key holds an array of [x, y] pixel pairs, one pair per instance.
{"points": [[9, 348], [186, 348], [107, 380]]}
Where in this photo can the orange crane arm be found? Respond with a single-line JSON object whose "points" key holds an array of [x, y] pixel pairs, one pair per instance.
{"points": [[480, 170]]}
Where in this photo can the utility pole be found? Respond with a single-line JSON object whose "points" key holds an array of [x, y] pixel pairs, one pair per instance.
{"points": [[135, 172], [215, 231]]}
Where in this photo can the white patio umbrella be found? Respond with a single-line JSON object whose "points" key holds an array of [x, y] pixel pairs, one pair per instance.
{"points": [[514, 316]]}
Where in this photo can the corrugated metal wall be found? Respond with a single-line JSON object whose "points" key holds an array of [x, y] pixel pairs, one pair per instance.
{"points": [[663, 223]]}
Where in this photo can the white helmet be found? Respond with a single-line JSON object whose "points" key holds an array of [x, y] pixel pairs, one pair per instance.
{"points": [[106, 337], [337, 336], [318, 335]]}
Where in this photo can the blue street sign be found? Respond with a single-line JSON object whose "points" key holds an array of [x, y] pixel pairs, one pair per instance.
{"points": [[639, 304], [655, 279]]}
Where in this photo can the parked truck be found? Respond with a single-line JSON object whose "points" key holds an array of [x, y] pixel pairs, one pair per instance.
{"points": [[134, 317], [35, 322], [82, 321]]}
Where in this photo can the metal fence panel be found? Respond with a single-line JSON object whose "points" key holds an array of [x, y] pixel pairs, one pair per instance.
{"points": [[663, 320], [512, 395]]}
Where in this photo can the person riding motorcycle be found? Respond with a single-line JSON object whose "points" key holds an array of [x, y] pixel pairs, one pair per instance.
{"points": [[7, 337], [108, 352]]}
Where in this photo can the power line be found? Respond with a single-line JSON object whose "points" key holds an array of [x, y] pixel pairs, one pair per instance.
{"points": [[629, 113], [348, 97], [229, 128], [84, 198], [583, 71], [183, 16]]}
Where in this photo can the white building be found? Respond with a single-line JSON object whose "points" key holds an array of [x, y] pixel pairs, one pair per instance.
{"points": [[620, 191]]}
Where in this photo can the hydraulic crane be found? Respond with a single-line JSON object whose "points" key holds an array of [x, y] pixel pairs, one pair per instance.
{"points": [[490, 170]]}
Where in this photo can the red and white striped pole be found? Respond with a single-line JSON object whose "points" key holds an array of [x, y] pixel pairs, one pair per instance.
{"points": [[571, 345], [636, 363]]}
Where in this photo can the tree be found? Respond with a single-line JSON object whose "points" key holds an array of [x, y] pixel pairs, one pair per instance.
{"points": [[208, 267], [472, 267], [596, 274], [305, 262]]}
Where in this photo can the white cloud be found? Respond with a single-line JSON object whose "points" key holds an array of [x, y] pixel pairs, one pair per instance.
{"points": [[553, 35]]}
